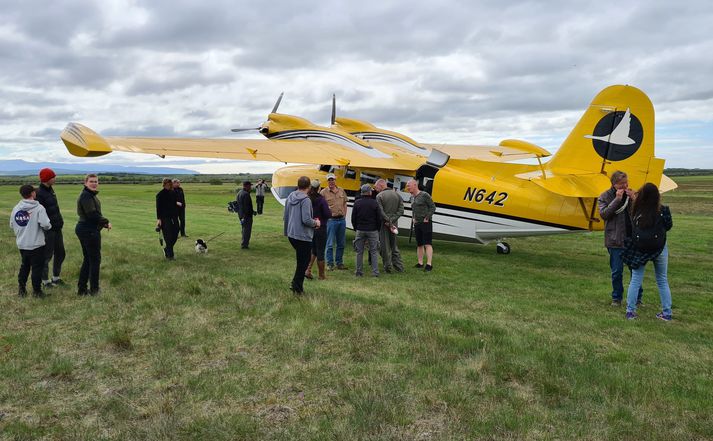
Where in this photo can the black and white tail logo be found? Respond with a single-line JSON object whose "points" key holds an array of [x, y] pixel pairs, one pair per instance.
{"points": [[617, 136]]}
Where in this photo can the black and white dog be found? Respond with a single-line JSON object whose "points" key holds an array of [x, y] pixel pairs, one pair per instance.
{"points": [[201, 246]]}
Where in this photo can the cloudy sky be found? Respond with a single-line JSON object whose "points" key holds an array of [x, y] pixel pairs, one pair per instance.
{"points": [[449, 71]]}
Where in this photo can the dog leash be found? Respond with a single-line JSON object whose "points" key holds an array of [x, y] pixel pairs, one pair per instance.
{"points": [[215, 237]]}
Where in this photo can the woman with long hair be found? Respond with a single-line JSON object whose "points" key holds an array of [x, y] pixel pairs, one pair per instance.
{"points": [[320, 210], [650, 222]]}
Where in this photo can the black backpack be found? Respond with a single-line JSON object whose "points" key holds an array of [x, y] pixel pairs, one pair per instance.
{"points": [[650, 239]]}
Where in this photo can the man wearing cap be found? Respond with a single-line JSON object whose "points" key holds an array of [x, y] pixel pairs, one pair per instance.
{"points": [[54, 241], [245, 213], [337, 225], [181, 198], [391, 208], [366, 221]]}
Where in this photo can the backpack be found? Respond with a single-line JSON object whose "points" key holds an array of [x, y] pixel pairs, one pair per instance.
{"points": [[650, 239]]}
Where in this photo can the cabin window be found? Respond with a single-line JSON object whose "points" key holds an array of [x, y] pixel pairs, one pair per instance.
{"points": [[350, 174]]}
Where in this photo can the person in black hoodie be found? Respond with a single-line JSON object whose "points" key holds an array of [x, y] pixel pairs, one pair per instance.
{"points": [[54, 241], [366, 221], [167, 216], [181, 198], [88, 230], [245, 213]]}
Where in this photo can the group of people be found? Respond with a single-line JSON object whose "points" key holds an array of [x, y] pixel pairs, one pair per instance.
{"points": [[37, 222], [314, 222], [374, 217], [634, 234]]}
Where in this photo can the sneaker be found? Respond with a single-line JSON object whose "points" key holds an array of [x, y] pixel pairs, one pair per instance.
{"points": [[388, 270], [39, 294], [639, 304], [664, 317], [616, 302], [358, 274], [631, 316], [47, 284], [375, 274], [418, 265], [341, 266], [82, 292], [58, 282], [428, 268], [22, 291], [330, 267]]}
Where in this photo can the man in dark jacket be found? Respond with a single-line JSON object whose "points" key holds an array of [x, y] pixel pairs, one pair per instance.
{"points": [[614, 207], [366, 221], [54, 241], [181, 198], [245, 213], [167, 216]]}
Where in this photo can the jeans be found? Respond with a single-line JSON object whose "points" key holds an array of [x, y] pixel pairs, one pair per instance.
{"points": [[336, 232], [91, 242], [373, 238], [637, 276], [54, 247], [617, 275], [303, 250]]}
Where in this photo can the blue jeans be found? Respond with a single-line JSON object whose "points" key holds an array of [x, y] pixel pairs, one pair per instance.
{"points": [[336, 232], [617, 275], [637, 276]]}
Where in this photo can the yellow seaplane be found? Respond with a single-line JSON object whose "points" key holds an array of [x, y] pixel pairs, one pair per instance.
{"points": [[481, 195]]}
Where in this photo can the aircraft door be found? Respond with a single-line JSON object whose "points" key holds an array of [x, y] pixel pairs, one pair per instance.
{"points": [[400, 186]]}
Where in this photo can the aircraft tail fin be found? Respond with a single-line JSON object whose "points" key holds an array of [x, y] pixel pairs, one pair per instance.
{"points": [[616, 132]]}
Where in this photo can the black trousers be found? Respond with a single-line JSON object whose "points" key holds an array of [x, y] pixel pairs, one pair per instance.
{"points": [[260, 203], [54, 247], [31, 260], [303, 251], [319, 242], [169, 227], [247, 228], [182, 221], [91, 241]]}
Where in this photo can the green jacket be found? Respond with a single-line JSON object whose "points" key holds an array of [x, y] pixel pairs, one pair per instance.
{"points": [[422, 207]]}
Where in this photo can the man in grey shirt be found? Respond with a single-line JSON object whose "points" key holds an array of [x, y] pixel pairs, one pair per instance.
{"points": [[391, 207], [260, 190]]}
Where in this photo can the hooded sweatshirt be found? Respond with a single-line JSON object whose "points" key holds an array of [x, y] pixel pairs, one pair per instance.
{"points": [[298, 217], [28, 220]]}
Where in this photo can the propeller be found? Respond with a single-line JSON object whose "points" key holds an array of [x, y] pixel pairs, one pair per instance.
{"points": [[260, 129], [334, 108]]}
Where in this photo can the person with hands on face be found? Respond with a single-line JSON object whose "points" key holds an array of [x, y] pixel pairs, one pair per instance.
{"points": [[245, 213], [614, 209]]}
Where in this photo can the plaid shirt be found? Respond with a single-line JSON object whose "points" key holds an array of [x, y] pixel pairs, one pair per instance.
{"points": [[636, 258]]}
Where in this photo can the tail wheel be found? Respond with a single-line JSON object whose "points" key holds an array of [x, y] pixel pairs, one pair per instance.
{"points": [[503, 248]]}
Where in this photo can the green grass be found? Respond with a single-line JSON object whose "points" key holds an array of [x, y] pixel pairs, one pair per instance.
{"points": [[523, 346]]}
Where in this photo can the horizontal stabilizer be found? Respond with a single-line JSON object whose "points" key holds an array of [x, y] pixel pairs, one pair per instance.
{"points": [[571, 185]]}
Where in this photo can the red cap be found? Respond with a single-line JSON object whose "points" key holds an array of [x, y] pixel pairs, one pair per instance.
{"points": [[46, 174]]}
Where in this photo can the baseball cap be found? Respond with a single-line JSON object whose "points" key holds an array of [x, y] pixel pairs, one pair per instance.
{"points": [[331, 176], [365, 189]]}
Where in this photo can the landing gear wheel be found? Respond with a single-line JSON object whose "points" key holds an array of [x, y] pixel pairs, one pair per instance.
{"points": [[503, 248]]}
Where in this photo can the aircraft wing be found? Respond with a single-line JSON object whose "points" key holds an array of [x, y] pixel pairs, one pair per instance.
{"points": [[82, 141]]}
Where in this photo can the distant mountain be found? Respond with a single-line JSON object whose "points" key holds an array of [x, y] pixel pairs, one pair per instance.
{"points": [[23, 168]]}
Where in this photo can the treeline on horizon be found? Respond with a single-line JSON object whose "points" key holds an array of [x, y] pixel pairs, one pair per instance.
{"points": [[226, 178], [140, 178]]}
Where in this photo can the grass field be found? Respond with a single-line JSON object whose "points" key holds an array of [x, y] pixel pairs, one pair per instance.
{"points": [[215, 347]]}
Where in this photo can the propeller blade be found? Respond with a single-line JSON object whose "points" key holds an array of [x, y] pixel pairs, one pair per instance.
{"points": [[277, 104], [245, 130], [334, 108]]}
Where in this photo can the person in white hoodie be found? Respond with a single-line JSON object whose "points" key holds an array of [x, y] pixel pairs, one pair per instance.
{"points": [[29, 221], [299, 229]]}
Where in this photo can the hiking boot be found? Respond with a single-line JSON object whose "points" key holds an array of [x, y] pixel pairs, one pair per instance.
{"points": [[631, 316], [418, 265], [664, 317], [616, 302], [428, 268], [341, 266]]}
